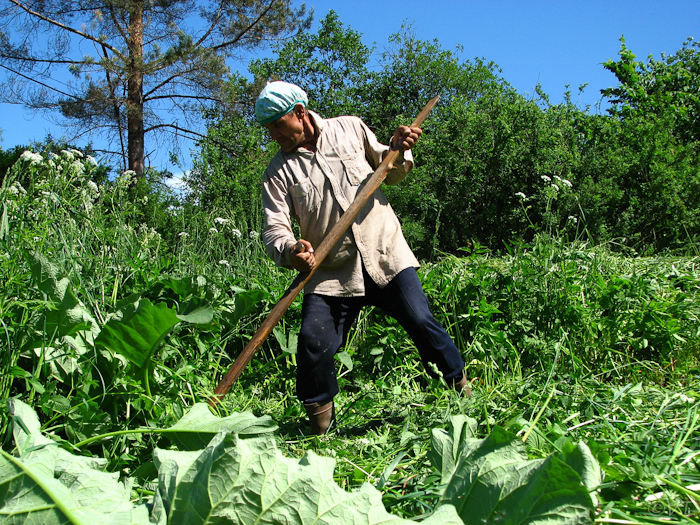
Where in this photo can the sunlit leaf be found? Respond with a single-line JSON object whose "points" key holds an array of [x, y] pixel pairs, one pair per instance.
{"points": [[137, 335]]}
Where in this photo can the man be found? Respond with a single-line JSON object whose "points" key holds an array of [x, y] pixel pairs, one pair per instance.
{"points": [[313, 179]]}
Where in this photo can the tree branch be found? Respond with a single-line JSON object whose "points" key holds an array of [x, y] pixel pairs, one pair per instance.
{"points": [[206, 137], [212, 26], [38, 82], [176, 128], [65, 27], [191, 97], [44, 60], [246, 30]]}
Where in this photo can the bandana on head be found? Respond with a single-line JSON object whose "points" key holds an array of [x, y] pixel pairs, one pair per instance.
{"points": [[277, 99]]}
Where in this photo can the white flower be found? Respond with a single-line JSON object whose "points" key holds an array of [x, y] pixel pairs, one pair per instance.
{"points": [[145, 199], [91, 160], [78, 167], [557, 178], [236, 232], [76, 153], [546, 178], [555, 187], [33, 158], [253, 234], [566, 183], [223, 262], [93, 187], [125, 178], [213, 230], [521, 195], [13, 190], [183, 234], [573, 219], [219, 220], [68, 154]]}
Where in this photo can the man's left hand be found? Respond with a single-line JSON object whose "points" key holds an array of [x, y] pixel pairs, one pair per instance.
{"points": [[405, 137]]}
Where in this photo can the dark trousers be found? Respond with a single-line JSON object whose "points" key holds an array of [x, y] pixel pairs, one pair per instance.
{"points": [[326, 321]]}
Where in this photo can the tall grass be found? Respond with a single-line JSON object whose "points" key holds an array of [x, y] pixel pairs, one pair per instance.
{"points": [[562, 341]]}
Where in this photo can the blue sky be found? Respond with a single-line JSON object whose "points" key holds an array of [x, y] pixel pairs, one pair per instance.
{"points": [[551, 42]]}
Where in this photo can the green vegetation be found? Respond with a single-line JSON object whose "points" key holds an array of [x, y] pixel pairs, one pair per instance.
{"points": [[559, 250]]}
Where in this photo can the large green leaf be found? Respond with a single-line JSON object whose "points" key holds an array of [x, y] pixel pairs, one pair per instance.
{"points": [[244, 302], [139, 333], [495, 483], [447, 445], [67, 316], [580, 458], [196, 311], [240, 481], [198, 426], [51, 486]]}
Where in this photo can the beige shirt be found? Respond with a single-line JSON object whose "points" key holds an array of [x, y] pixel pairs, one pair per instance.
{"points": [[315, 188]]}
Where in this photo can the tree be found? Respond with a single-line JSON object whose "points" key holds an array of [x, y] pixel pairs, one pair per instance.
{"points": [[652, 156], [666, 88], [330, 64], [145, 64]]}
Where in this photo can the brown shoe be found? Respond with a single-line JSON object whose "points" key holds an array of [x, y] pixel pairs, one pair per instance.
{"points": [[462, 385], [320, 416]]}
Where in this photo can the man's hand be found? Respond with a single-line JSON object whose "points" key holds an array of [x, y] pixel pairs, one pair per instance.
{"points": [[405, 137], [302, 256]]}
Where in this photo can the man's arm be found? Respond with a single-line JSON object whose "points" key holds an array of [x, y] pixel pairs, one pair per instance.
{"points": [[277, 234]]}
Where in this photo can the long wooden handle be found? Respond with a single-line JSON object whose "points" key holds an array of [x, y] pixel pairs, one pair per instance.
{"points": [[320, 253]]}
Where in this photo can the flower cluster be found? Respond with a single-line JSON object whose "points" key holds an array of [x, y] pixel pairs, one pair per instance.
{"points": [[32, 158]]}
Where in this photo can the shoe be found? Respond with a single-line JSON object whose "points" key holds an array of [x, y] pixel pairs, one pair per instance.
{"points": [[462, 385], [320, 416]]}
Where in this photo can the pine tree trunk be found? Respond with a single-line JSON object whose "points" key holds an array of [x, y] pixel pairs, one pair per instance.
{"points": [[135, 129]]}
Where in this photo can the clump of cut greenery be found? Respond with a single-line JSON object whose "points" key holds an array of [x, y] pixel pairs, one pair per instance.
{"points": [[244, 478]]}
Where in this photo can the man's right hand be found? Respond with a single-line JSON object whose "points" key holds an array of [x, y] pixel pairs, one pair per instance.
{"points": [[302, 256]]}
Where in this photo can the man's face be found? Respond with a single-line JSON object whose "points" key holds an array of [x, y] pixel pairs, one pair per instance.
{"points": [[288, 131]]}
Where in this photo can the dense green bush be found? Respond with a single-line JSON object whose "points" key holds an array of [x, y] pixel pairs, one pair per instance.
{"points": [[493, 166]]}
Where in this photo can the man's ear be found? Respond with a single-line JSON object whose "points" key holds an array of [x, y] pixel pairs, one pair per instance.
{"points": [[300, 111]]}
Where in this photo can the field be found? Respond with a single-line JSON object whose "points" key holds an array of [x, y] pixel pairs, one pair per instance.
{"points": [[583, 361]]}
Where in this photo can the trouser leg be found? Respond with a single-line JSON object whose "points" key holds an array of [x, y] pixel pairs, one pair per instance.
{"points": [[324, 328], [404, 299]]}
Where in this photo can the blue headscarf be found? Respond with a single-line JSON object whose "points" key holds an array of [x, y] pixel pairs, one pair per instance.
{"points": [[277, 99]]}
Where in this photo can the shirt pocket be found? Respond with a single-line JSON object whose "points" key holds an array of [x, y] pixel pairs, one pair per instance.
{"points": [[356, 168], [305, 198]]}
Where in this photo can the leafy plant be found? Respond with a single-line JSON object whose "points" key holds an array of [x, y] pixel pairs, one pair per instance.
{"points": [[248, 480]]}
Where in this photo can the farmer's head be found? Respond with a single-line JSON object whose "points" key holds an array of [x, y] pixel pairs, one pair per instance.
{"points": [[281, 108]]}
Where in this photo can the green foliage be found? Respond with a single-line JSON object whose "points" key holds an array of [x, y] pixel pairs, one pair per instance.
{"points": [[628, 176], [331, 65], [665, 89], [197, 486], [227, 181], [103, 320], [565, 307]]}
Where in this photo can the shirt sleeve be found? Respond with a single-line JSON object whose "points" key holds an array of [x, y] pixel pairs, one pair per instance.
{"points": [[376, 151], [277, 235]]}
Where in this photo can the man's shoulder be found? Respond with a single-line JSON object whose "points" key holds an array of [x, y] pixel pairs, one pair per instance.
{"points": [[345, 126], [345, 120]]}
